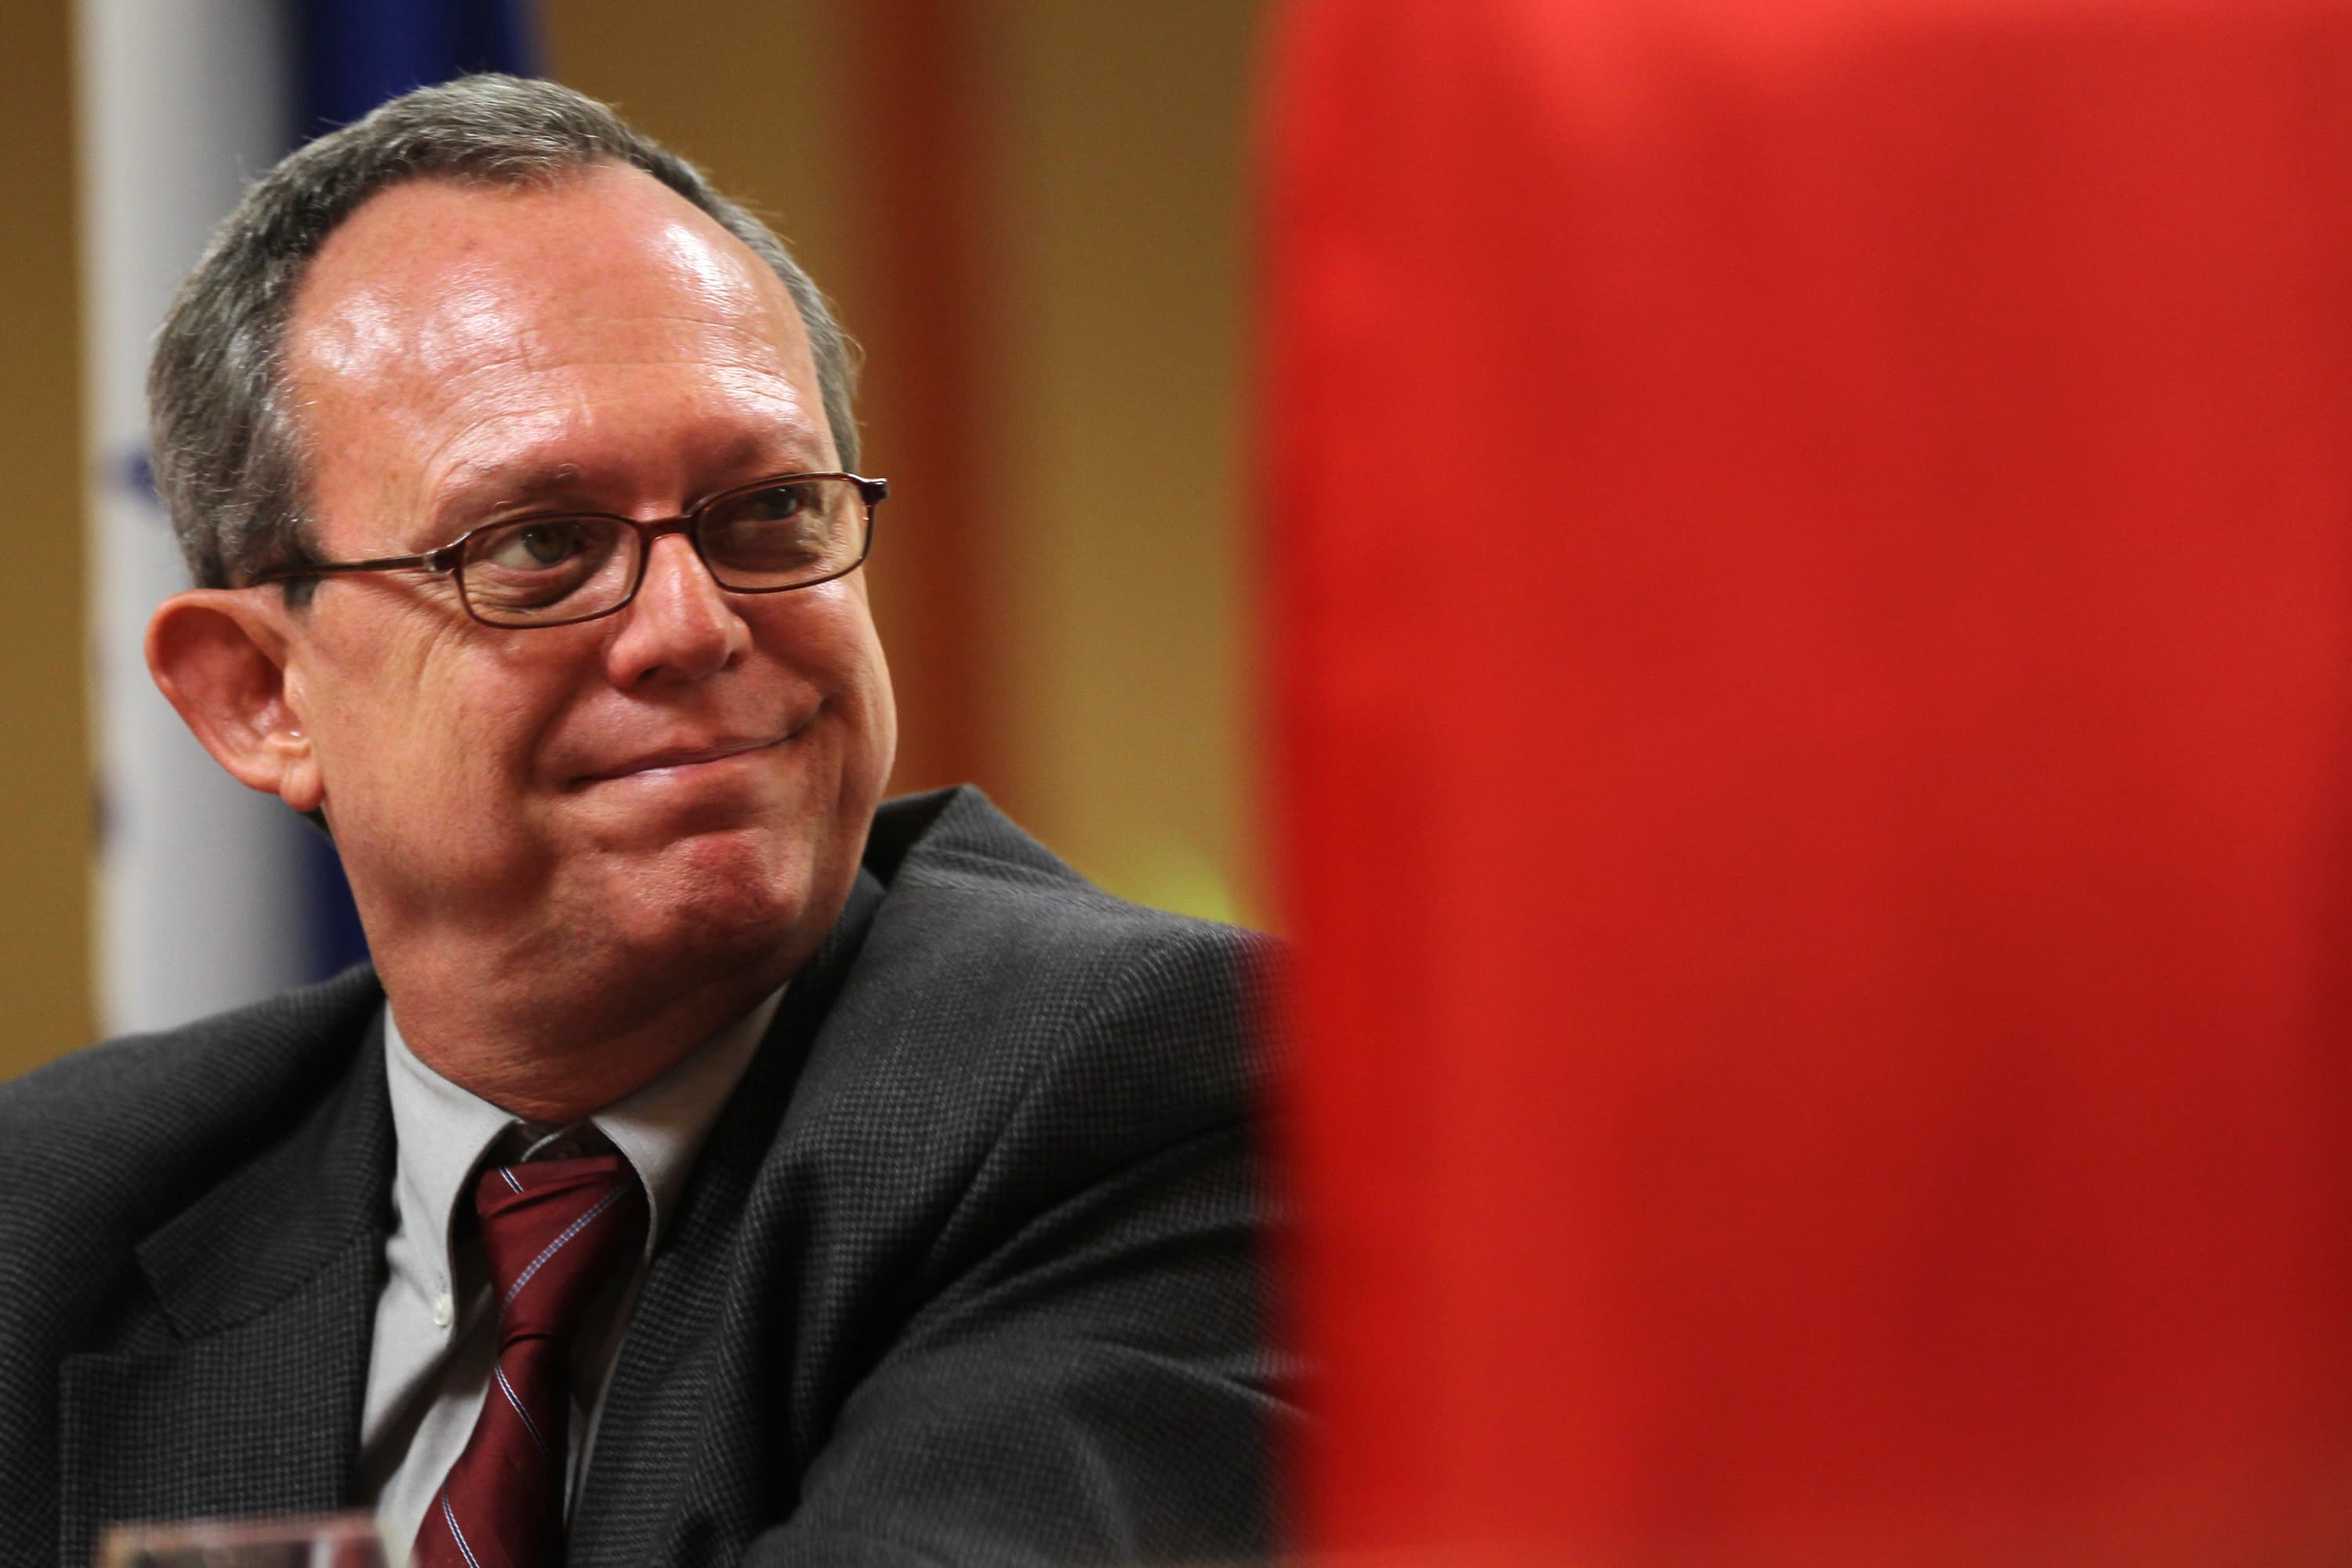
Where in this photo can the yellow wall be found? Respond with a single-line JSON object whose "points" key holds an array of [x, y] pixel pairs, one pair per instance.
{"points": [[1119, 140], [1108, 156], [45, 772]]}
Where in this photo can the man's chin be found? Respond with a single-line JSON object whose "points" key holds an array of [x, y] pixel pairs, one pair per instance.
{"points": [[720, 896]]}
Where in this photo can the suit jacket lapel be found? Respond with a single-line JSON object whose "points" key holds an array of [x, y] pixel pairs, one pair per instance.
{"points": [[244, 1397], [684, 1366]]}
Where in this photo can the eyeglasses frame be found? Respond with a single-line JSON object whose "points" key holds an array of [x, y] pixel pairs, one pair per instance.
{"points": [[450, 557]]}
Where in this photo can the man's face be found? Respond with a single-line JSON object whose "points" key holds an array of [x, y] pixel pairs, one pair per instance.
{"points": [[686, 782]]}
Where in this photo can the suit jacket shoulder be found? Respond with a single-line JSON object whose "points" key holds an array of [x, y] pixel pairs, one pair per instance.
{"points": [[1010, 1031], [120, 1134], [1049, 988], [161, 1195]]}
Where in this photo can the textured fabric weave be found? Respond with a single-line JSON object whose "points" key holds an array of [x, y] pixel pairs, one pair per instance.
{"points": [[553, 1231]]}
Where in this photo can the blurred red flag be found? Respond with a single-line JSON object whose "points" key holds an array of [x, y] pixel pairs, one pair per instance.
{"points": [[1813, 631]]}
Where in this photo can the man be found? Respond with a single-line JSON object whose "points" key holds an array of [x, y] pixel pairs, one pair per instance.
{"points": [[710, 1167]]}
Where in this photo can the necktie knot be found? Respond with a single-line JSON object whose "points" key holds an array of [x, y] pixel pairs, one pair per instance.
{"points": [[553, 1230]]}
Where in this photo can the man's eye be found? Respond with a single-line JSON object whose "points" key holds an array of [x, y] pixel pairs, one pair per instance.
{"points": [[774, 505], [534, 547]]}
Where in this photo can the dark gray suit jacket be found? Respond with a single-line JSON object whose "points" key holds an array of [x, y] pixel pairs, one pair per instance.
{"points": [[968, 1271]]}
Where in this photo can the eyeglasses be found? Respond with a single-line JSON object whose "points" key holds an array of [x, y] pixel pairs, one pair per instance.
{"points": [[794, 531]]}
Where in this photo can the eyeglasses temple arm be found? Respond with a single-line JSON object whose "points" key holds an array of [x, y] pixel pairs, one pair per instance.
{"points": [[440, 560]]}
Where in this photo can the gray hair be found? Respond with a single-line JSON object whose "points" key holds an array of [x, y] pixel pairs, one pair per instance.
{"points": [[227, 454]]}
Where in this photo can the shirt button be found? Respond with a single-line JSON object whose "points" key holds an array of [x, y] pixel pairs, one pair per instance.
{"points": [[443, 1309]]}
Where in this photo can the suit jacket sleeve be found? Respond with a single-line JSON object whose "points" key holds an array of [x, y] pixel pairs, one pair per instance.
{"points": [[1088, 1376]]}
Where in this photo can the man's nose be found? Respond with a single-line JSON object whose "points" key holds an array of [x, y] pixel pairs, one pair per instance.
{"points": [[681, 624]]}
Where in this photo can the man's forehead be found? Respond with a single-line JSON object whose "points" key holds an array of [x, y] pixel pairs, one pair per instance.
{"points": [[434, 272], [454, 342]]}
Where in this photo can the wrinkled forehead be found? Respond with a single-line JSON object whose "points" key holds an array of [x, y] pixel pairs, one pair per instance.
{"points": [[436, 278]]}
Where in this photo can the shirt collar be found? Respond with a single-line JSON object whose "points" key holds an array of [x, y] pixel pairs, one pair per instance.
{"points": [[443, 1130]]}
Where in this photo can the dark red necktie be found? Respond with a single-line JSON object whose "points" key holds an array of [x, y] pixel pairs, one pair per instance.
{"points": [[553, 1230]]}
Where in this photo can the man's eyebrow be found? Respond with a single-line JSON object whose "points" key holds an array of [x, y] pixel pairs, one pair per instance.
{"points": [[485, 484], [481, 485]]}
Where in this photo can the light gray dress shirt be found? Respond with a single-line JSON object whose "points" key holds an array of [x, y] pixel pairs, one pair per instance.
{"points": [[436, 1334]]}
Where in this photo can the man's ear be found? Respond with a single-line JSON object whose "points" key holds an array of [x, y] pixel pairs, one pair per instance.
{"points": [[220, 656]]}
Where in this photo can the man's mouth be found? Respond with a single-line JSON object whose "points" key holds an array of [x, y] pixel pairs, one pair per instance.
{"points": [[679, 757]]}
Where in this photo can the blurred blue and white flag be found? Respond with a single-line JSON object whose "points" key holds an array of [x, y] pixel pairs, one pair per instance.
{"points": [[207, 895]]}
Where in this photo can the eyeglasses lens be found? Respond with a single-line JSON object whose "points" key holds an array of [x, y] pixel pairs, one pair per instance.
{"points": [[547, 568], [784, 535]]}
